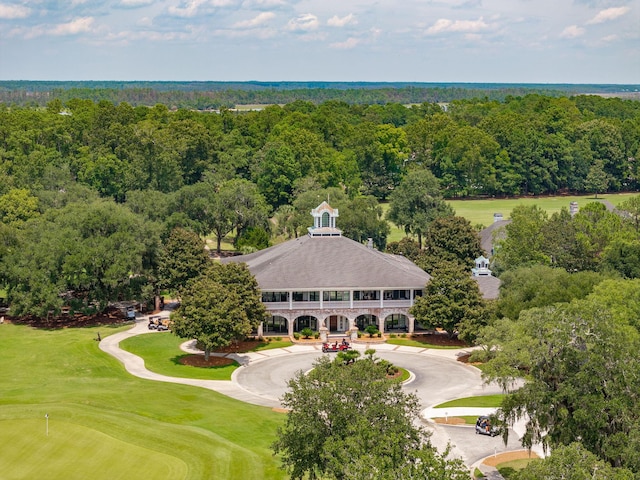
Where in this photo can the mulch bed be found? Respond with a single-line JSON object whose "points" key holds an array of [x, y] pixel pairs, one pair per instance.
{"points": [[112, 316], [450, 421], [509, 456], [198, 361]]}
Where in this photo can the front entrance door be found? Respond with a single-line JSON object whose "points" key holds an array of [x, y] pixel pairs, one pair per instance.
{"points": [[333, 323]]}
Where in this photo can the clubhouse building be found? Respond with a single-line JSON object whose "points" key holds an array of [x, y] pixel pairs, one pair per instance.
{"points": [[333, 284]]}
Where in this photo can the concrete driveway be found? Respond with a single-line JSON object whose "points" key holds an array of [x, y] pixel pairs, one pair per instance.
{"points": [[262, 380]]}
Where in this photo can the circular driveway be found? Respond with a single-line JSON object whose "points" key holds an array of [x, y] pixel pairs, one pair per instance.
{"points": [[436, 378], [262, 380]]}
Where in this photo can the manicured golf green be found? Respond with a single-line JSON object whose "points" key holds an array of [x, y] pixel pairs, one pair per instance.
{"points": [[105, 423], [480, 401], [30, 450]]}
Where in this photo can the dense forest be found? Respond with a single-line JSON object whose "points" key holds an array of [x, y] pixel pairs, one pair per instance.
{"points": [[92, 190]]}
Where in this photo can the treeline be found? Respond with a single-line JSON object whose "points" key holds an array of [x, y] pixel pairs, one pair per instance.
{"points": [[524, 145], [85, 180], [215, 95]]}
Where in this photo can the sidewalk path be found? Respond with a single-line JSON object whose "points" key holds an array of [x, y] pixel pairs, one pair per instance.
{"points": [[135, 366]]}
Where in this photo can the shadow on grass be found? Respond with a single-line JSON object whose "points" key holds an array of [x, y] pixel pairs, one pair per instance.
{"points": [[507, 472]]}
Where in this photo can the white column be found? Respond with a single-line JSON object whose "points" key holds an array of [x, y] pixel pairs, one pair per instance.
{"points": [[321, 297], [381, 299], [290, 294], [350, 298]]}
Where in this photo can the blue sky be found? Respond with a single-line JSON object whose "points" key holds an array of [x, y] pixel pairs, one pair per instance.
{"points": [[547, 41]]}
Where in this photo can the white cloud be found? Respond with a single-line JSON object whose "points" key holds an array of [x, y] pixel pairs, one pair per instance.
{"points": [[135, 3], [79, 25], [255, 21], [461, 26], [347, 44], [190, 9], [263, 3], [336, 21], [610, 38], [303, 23], [572, 31], [608, 14], [10, 12], [259, 33]]}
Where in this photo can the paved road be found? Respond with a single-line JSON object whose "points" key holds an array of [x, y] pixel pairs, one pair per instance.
{"points": [[261, 380]]}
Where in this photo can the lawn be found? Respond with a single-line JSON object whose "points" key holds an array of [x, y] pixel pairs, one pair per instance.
{"points": [[508, 469], [161, 353], [107, 424], [408, 342], [488, 401]]}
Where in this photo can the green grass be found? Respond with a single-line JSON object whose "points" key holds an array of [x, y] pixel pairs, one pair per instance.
{"points": [[507, 469], [170, 431], [106, 457], [161, 353], [407, 342], [481, 401], [480, 212], [404, 374], [273, 344], [478, 474]]}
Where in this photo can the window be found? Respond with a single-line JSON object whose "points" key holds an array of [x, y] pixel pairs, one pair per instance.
{"points": [[396, 321], [306, 296], [397, 294], [275, 297], [335, 296], [417, 293], [366, 295], [325, 219], [275, 324]]}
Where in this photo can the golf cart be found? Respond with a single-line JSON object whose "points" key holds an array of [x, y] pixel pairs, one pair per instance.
{"points": [[484, 427]]}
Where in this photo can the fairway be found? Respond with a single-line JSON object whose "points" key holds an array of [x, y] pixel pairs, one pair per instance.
{"points": [[101, 419], [28, 452], [480, 212]]}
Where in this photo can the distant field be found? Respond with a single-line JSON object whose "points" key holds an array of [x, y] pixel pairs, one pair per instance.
{"points": [[480, 212]]}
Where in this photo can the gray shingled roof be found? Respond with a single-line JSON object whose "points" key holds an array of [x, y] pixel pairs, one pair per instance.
{"points": [[489, 286], [330, 262], [486, 235]]}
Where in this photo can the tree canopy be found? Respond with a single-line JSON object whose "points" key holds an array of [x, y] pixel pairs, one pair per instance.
{"points": [[221, 305], [350, 421], [581, 366]]}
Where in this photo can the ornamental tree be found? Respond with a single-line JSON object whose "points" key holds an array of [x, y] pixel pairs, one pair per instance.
{"points": [[218, 307], [450, 298]]}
